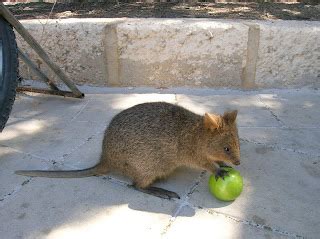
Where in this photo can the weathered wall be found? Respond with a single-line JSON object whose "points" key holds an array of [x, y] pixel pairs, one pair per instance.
{"points": [[289, 54], [177, 52], [180, 52], [76, 45]]}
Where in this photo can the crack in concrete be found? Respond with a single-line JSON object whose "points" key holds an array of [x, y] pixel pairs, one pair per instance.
{"points": [[195, 185], [84, 142], [271, 112], [8, 197], [280, 148], [167, 227], [251, 223], [80, 111], [44, 160], [183, 202]]}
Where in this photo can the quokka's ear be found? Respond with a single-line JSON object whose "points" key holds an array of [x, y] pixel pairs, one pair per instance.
{"points": [[230, 116], [212, 121]]}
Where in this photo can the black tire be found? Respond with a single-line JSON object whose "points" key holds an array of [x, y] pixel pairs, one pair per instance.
{"points": [[8, 70]]}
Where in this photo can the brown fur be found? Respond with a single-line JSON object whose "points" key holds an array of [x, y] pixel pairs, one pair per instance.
{"points": [[149, 141]]}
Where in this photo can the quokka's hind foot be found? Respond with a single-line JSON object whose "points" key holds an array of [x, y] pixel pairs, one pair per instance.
{"points": [[157, 192]]}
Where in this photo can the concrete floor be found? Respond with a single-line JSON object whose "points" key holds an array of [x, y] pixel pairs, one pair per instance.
{"points": [[280, 149]]}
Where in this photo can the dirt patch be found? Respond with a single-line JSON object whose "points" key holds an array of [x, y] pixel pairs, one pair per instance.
{"points": [[254, 11]]}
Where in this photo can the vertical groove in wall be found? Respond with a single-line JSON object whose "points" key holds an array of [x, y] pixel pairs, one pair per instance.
{"points": [[112, 55], [249, 70]]}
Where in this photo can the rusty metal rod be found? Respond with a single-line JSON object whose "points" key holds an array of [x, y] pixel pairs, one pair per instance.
{"points": [[38, 49], [46, 91], [36, 70]]}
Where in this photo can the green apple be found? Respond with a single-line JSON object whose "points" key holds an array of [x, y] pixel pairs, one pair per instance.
{"points": [[227, 188]]}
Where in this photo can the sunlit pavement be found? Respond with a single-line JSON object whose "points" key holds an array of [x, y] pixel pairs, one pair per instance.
{"points": [[280, 152]]}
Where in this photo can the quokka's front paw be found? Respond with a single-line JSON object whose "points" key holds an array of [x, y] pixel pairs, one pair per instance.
{"points": [[221, 173]]}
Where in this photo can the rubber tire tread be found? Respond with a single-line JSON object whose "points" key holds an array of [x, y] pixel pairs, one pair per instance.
{"points": [[10, 71]]}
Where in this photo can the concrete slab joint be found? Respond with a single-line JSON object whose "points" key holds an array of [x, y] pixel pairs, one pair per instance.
{"points": [[112, 55], [249, 70], [180, 52]]}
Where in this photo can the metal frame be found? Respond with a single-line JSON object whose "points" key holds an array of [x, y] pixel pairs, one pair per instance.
{"points": [[1, 63], [75, 92]]}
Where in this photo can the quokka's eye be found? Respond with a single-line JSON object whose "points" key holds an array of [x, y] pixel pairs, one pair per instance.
{"points": [[226, 149]]}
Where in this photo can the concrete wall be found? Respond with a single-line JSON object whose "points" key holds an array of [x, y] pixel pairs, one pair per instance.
{"points": [[180, 52]]}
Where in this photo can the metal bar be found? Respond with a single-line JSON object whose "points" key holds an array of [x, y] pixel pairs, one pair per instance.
{"points": [[36, 70], [46, 91], [38, 49], [1, 64]]}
